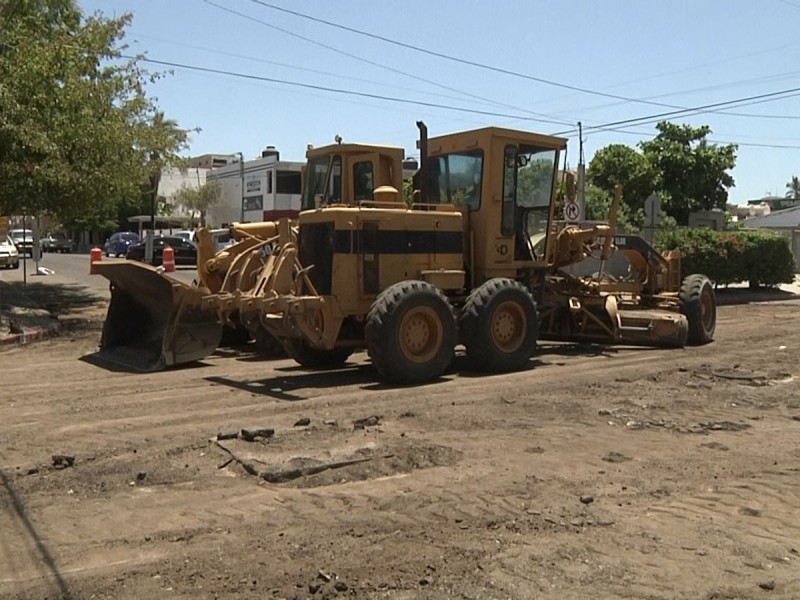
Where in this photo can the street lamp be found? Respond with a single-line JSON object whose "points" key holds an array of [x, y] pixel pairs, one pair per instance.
{"points": [[241, 175]]}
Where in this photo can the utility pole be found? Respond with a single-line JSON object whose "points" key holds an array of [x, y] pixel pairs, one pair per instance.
{"points": [[581, 174], [241, 175]]}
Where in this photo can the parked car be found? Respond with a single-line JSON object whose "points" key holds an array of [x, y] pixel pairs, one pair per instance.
{"points": [[186, 234], [119, 243], [223, 241], [23, 240], [9, 255], [185, 251], [56, 241]]}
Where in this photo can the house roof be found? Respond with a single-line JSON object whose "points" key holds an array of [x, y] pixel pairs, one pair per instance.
{"points": [[788, 218]]}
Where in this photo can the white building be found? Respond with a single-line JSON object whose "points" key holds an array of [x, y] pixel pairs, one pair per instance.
{"points": [[263, 189], [172, 180]]}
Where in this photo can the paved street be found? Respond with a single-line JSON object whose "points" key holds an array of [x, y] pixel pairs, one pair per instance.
{"points": [[71, 269]]}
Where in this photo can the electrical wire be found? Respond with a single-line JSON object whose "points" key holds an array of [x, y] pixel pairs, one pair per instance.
{"points": [[462, 61], [236, 55], [746, 101], [543, 117], [612, 126], [342, 91], [517, 74]]}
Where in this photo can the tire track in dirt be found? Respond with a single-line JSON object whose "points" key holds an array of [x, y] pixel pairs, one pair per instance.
{"points": [[530, 444]]}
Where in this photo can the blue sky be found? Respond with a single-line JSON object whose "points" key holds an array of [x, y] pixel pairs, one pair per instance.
{"points": [[594, 61]]}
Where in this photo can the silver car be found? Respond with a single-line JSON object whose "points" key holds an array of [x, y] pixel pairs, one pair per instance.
{"points": [[9, 255], [23, 240]]}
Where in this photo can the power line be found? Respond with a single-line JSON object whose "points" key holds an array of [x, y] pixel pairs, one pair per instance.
{"points": [[746, 101], [380, 65], [613, 126], [711, 140], [460, 60], [679, 110], [342, 91], [517, 74], [723, 86], [299, 68]]}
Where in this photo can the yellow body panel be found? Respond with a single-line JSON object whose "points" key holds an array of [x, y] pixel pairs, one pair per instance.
{"points": [[373, 248]]}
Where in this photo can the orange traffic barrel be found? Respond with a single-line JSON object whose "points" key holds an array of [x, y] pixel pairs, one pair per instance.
{"points": [[168, 259], [95, 255]]}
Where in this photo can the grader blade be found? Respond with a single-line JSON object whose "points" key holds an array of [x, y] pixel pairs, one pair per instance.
{"points": [[153, 320]]}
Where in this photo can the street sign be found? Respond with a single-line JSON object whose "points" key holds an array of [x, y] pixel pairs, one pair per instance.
{"points": [[652, 209], [572, 211]]}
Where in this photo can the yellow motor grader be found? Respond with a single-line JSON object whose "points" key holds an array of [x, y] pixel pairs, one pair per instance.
{"points": [[479, 259]]}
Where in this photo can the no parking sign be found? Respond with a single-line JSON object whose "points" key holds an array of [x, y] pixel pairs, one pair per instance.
{"points": [[572, 211]]}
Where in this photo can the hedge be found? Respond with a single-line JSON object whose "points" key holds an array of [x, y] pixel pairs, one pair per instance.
{"points": [[758, 256]]}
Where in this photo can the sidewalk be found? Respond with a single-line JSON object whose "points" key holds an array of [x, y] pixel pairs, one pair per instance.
{"points": [[22, 320], [32, 312], [740, 293]]}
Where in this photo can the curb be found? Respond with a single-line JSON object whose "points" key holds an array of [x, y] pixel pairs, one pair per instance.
{"points": [[27, 336]]}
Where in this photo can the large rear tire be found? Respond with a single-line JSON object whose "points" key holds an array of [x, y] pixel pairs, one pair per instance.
{"points": [[315, 358], [411, 332], [499, 326], [698, 302]]}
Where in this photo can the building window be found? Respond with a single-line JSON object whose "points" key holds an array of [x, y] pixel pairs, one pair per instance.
{"points": [[269, 181], [253, 203], [288, 182]]}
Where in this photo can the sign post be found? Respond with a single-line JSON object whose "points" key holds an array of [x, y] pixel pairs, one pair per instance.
{"points": [[3, 235], [652, 210]]}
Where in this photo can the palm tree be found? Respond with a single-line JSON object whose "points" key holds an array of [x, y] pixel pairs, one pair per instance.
{"points": [[794, 188]]}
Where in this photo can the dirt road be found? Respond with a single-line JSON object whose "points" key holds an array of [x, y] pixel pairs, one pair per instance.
{"points": [[597, 473]]}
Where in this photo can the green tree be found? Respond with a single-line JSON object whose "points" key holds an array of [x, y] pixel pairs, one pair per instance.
{"points": [[597, 207], [793, 188], [199, 200], [692, 174], [679, 164], [622, 164], [78, 134]]}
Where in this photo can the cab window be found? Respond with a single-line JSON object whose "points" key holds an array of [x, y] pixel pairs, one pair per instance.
{"points": [[334, 192], [315, 182], [528, 174], [456, 179], [363, 180]]}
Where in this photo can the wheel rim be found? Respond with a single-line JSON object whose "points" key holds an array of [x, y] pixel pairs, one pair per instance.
{"points": [[706, 309], [508, 326], [421, 334]]}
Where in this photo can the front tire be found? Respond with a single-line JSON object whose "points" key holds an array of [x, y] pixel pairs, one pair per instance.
{"points": [[270, 346], [499, 326], [315, 358], [411, 332], [698, 302]]}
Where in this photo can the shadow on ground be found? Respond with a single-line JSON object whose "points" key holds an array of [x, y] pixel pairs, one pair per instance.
{"points": [[38, 305], [742, 295], [56, 298]]}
